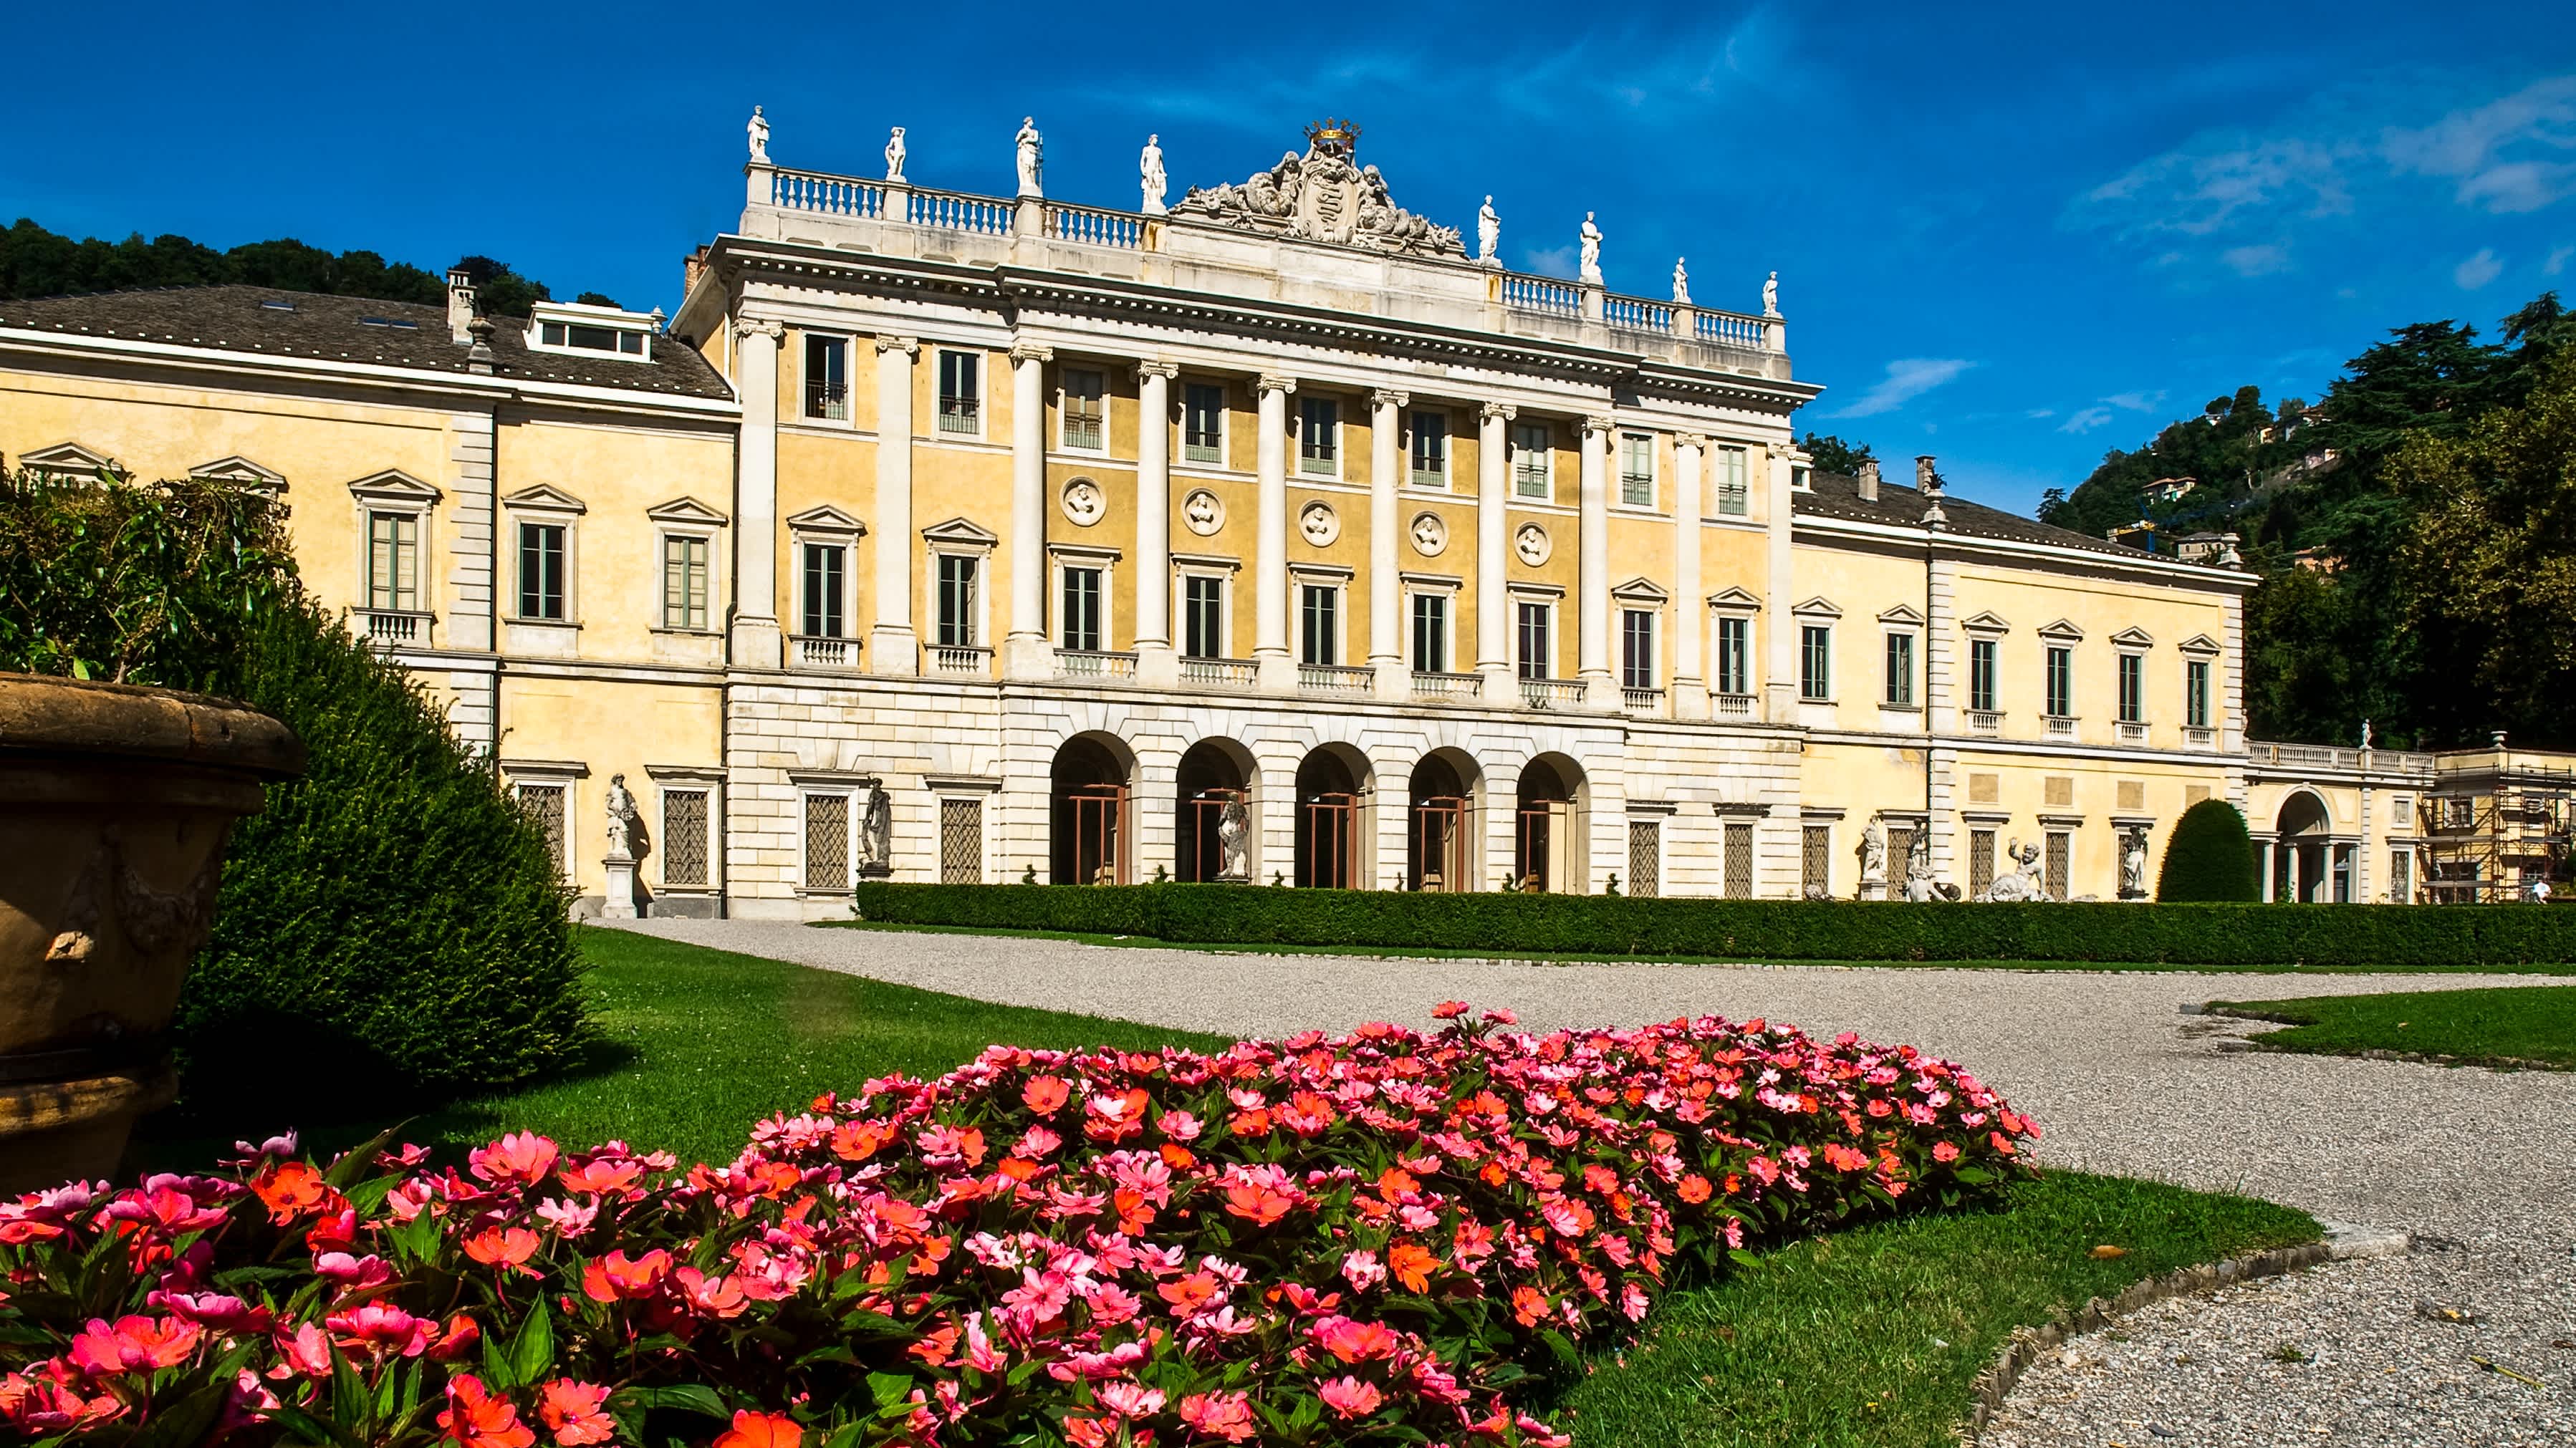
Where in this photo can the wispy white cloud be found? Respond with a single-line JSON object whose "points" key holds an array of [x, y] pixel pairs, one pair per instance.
{"points": [[2137, 401], [2558, 258], [2511, 154], [2103, 410], [2086, 420], [1907, 378], [2037, 413], [1552, 261], [2202, 192], [2478, 270], [2255, 261]]}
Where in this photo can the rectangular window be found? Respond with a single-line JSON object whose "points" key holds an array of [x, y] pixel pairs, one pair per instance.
{"points": [[957, 604], [961, 842], [2061, 683], [1202, 616], [825, 570], [2133, 689], [827, 378], [1816, 862], [684, 838], [1319, 440], [1900, 670], [2061, 857], [1735, 655], [1733, 495], [684, 583], [1537, 651], [1431, 449], [961, 392], [1533, 464], [1086, 409], [544, 804], [1739, 861], [541, 571], [1637, 469], [1431, 633], [1319, 631], [1203, 422], [2401, 876], [1815, 662], [1082, 610], [1981, 675], [1645, 858], [827, 842], [393, 561], [2195, 693], [1981, 862], [1636, 648]]}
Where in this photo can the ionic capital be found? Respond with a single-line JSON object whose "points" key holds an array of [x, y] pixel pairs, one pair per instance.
{"points": [[1156, 367], [1695, 441], [1498, 412], [1031, 352], [770, 327], [908, 346], [1597, 423], [1272, 383], [1390, 397]]}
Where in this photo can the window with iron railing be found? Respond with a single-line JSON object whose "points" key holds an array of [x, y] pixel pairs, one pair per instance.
{"points": [[1735, 655], [1430, 449], [1734, 498], [1533, 459], [827, 378], [1203, 423], [1085, 409], [1637, 470], [961, 393], [1319, 435]]}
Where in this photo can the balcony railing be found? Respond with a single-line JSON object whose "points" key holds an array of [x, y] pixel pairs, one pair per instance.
{"points": [[1226, 673], [1641, 701], [1538, 294], [1335, 678], [1732, 706], [2327, 756], [1428, 685], [831, 195], [2132, 732], [1732, 329], [1100, 228], [1637, 314], [2061, 726], [1985, 721], [2198, 736], [970, 660], [815, 652], [1553, 693], [1094, 664], [394, 627], [957, 211]]}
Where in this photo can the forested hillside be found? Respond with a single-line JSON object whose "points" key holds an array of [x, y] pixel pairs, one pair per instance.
{"points": [[35, 262]]}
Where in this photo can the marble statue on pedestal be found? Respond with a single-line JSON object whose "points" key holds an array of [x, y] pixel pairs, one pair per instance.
{"points": [[2133, 864], [1681, 282], [876, 833], [1873, 857], [1032, 156], [2365, 734], [894, 156], [1489, 233], [1590, 273], [1233, 833], [1771, 295], [1919, 884], [2024, 882], [759, 129], [625, 821], [1149, 166]]}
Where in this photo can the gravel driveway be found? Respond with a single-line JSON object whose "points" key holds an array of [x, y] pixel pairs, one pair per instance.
{"points": [[2480, 1165]]}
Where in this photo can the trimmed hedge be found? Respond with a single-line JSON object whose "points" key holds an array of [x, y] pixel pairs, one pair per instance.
{"points": [[1614, 925], [2210, 858]]}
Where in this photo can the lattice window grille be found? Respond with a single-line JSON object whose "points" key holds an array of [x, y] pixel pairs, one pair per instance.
{"points": [[1981, 861], [684, 838], [827, 842], [2061, 850], [1645, 858], [1816, 859], [961, 842], [545, 805], [1739, 862]]}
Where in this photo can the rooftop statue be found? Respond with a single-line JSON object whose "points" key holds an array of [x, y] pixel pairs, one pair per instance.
{"points": [[1489, 233], [1681, 282], [1771, 295], [1323, 195], [1591, 239], [759, 129], [1149, 165], [1032, 156], [894, 155]]}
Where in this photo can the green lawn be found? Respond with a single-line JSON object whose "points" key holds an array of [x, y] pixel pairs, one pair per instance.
{"points": [[2520, 1023], [1147, 942]]}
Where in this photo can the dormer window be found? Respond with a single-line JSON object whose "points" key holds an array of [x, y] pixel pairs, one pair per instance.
{"points": [[572, 327]]}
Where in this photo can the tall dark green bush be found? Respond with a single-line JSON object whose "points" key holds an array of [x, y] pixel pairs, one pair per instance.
{"points": [[391, 929], [2210, 858]]}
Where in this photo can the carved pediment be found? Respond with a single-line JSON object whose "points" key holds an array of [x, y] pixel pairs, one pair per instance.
{"points": [[961, 533], [827, 519], [240, 472], [2134, 638], [1640, 590], [70, 461], [1733, 599], [544, 498], [1323, 195], [686, 511], [395, 487]]}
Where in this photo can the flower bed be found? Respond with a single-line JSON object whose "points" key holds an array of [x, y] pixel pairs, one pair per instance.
{"points": [[1375, 1238]]}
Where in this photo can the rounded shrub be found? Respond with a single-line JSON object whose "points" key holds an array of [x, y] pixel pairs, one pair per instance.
{"points": [[2210, 857]]}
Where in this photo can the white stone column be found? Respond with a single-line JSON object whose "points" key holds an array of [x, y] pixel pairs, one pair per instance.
{"points": [[1386, 471], [1156, 661], [1493, 592], [1270, 538], [1025, 651], [893, 648], [1592, 606], [2269, 869], [1690, 610], [1780, 666], [755, 641]]}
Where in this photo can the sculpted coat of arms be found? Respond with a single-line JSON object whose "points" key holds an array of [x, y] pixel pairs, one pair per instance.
{"points": [[1323, 195]]}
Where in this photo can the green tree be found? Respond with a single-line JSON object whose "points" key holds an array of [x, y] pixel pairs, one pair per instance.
{"points": [[499, 290], [2210, 858], [1833, 455], [35, 262]]}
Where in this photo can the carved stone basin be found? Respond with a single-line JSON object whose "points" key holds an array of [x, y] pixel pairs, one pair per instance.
{"points": [[115, 802]]}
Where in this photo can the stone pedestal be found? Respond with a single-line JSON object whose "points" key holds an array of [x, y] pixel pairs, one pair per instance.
{"points": [[620, 904]]}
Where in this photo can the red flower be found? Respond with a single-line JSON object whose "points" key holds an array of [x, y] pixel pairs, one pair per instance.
{"points": [[1694, 1189], [1218, 1415], [761, 1430], [1348, 1397], [1412, 1264], [1045, 1095], [43, 1407], [290, 1189], [382, 1327], [477, 1419], [522, 1157], [504, 1247], [616, 1275], [577, 1412], [133, 1345], [1448, 1010]]}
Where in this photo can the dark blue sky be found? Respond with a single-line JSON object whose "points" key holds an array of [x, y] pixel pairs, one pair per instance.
{"points": [[2013, 237]]}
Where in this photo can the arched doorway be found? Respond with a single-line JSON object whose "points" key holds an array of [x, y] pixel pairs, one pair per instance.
{"points": [[1549, 849], [1440, 851], [1214, 814], [2299, 853], [1332, 818], [1090, 829]]}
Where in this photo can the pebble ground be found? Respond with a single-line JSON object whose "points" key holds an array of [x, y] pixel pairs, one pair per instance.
{"points": [[2479, 1165]]}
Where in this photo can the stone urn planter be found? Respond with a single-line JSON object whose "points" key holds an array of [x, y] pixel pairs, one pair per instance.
{"points": [[115, 802]]}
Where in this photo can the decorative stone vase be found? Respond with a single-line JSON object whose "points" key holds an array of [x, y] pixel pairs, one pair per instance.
{"points": [[114, 805]]}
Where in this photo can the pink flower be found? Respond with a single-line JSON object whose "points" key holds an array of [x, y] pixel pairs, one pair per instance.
{"points": [[357, 1274], [1219, 1415], [1348, 1397], [307, 1351], [1362, 1271], [1130, 1400], [1179, 1126], [44, 1407], [382, 1327], [570, 1218], [220, 1311], [133, 1345], [521, 1158]]}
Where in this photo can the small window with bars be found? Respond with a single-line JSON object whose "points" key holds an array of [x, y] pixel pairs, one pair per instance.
{"points": [[685, 824], [2061, 859], [1430, 449], [1203, 422], [827, 842], [961, 393], [1734, 495], [1981, 861], [1739, 861], [1637, 469], [1319, 435], [1533, 459], [827, 379], [961, 842], [1645, 858], [1816, 861], [545, 807], [1086, 409]]}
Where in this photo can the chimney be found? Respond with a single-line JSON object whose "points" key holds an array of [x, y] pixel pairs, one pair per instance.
{"points": [[691, 266], [1869, 480], [460, 308]]}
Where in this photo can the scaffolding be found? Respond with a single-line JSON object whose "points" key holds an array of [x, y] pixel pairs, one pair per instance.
{"points": [[2494, 825]]}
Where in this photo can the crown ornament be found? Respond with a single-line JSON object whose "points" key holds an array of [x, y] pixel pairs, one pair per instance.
{"points": [[1334, 136]]}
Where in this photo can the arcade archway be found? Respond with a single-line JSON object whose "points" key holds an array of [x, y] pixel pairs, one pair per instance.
{"points": [[1091, 826], [1332, 818], [1440, 852], [1214, 812], [1550, 847]]}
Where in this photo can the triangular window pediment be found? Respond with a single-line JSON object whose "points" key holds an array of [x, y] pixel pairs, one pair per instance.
{"points": [[393, 485], [1640, 590], [70, 460], [1733, 599], [1904, 614], [241, 472], [826, 519], [2200, 644], [960, 533], [2062, 632], [2134, 638], [545, 498], [1985, 623], [686, 510], [1818, 608]]}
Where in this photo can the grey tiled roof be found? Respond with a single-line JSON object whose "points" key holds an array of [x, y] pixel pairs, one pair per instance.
{"points": [[232, 319], [1838, 496]]}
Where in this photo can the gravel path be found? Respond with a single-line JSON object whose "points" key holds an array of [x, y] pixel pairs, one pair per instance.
{"points": [[2480, 1165]]}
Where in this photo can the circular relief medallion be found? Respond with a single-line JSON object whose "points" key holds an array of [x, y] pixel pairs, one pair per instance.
{"points": [[1430, 534], [1532, 544], [1319, 523], [1084, 503], [1202, 512]]}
